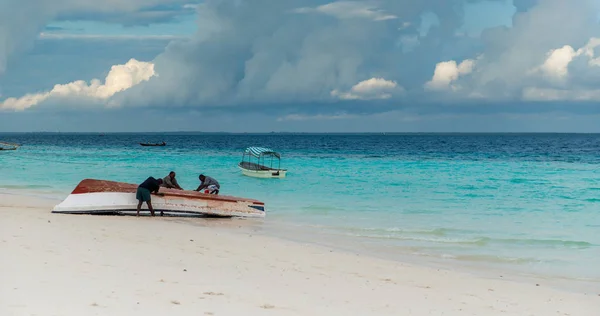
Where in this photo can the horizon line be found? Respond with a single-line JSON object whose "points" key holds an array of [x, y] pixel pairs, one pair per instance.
{"points": [[282, 132]]}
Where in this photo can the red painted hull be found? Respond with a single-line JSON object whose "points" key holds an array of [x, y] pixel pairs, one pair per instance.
{"points": [[95, 186]]}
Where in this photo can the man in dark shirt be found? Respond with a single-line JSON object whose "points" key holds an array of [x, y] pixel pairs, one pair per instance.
{"points": [[144, 190]]}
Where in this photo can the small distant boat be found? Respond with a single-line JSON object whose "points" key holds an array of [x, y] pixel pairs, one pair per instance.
{"points": [[8, 146], [102, 197], [154, 144], [258, 168]]}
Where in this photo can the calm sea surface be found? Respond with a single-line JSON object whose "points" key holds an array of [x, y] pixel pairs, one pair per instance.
{"points": [[528, 203]]}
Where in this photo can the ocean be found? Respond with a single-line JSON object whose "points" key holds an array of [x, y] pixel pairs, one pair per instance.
{"points": [[522, 203]]}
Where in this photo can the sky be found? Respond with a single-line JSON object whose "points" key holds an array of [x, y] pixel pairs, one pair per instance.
{"points": [[300, 65]]}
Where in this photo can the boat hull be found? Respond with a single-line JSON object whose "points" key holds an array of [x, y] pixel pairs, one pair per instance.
{"points": [[263, 173], [9, 146], [116, 198]]}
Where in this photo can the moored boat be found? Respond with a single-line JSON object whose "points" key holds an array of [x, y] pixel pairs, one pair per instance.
{"points": [[103, 197], [8, 146], [258, 168], [153, 144]]}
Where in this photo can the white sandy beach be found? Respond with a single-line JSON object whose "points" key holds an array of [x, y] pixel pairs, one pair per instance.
{"points": [[101, 265]]}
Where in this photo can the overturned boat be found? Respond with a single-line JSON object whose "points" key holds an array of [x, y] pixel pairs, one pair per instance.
{"points": [[103, 197]]}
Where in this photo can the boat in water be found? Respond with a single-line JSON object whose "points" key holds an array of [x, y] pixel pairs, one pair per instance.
{"points": [[153, 144], [256, 165], [8, 146], [102, 197]]}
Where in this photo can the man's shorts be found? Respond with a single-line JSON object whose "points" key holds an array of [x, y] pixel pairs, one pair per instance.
{"points": [[143, 194]]}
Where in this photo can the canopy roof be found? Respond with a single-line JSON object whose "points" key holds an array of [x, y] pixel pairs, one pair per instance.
{"points": [[261, 151]]}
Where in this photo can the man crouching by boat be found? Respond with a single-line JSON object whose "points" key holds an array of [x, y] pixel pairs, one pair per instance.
{"points": [[144, 190], [208, 183], [170, 182]]}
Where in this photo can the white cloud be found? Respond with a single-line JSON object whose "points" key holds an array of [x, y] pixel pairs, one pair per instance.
{"points": [[119, 78], [371, 89], [350, 10], [551, 80], [535, 59], [447, 72], [555, 69], [557, 64]]}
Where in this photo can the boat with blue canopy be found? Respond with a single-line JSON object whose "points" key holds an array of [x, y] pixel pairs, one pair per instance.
{"points": [[258, 162]]}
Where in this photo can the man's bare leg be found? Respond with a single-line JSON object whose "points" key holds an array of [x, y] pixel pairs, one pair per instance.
{"points": [[138, 208], [150, 207]]}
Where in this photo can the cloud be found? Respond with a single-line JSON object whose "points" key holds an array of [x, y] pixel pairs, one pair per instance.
{"points": [[350, 10], [18, 34], [119, 78], [535, 59], [293, 57], [556, 66], [290, 52], [53, 28], [62, 36], [524, 5], [153, 12], [448, 72], [551, 94], [318, 117], [569, 74], [371, 89]]}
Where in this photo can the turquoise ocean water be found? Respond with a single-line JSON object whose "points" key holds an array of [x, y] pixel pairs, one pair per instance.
{"points": [[524, 203]]}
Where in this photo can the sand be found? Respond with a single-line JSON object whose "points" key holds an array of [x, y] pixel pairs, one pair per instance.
{"points": [[119, 265]]}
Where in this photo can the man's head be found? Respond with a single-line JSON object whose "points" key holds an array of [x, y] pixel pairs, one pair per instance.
{"points": [[172, 174], [160, 181], [201, 177]]}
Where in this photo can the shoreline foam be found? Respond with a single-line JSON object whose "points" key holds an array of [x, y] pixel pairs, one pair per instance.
{"points": [[477, 268], [77, 265]]}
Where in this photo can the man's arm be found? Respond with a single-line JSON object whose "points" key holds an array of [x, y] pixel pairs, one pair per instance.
{"points": [[176, 184], [167, 183], [202, 186], [157, 186]]}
